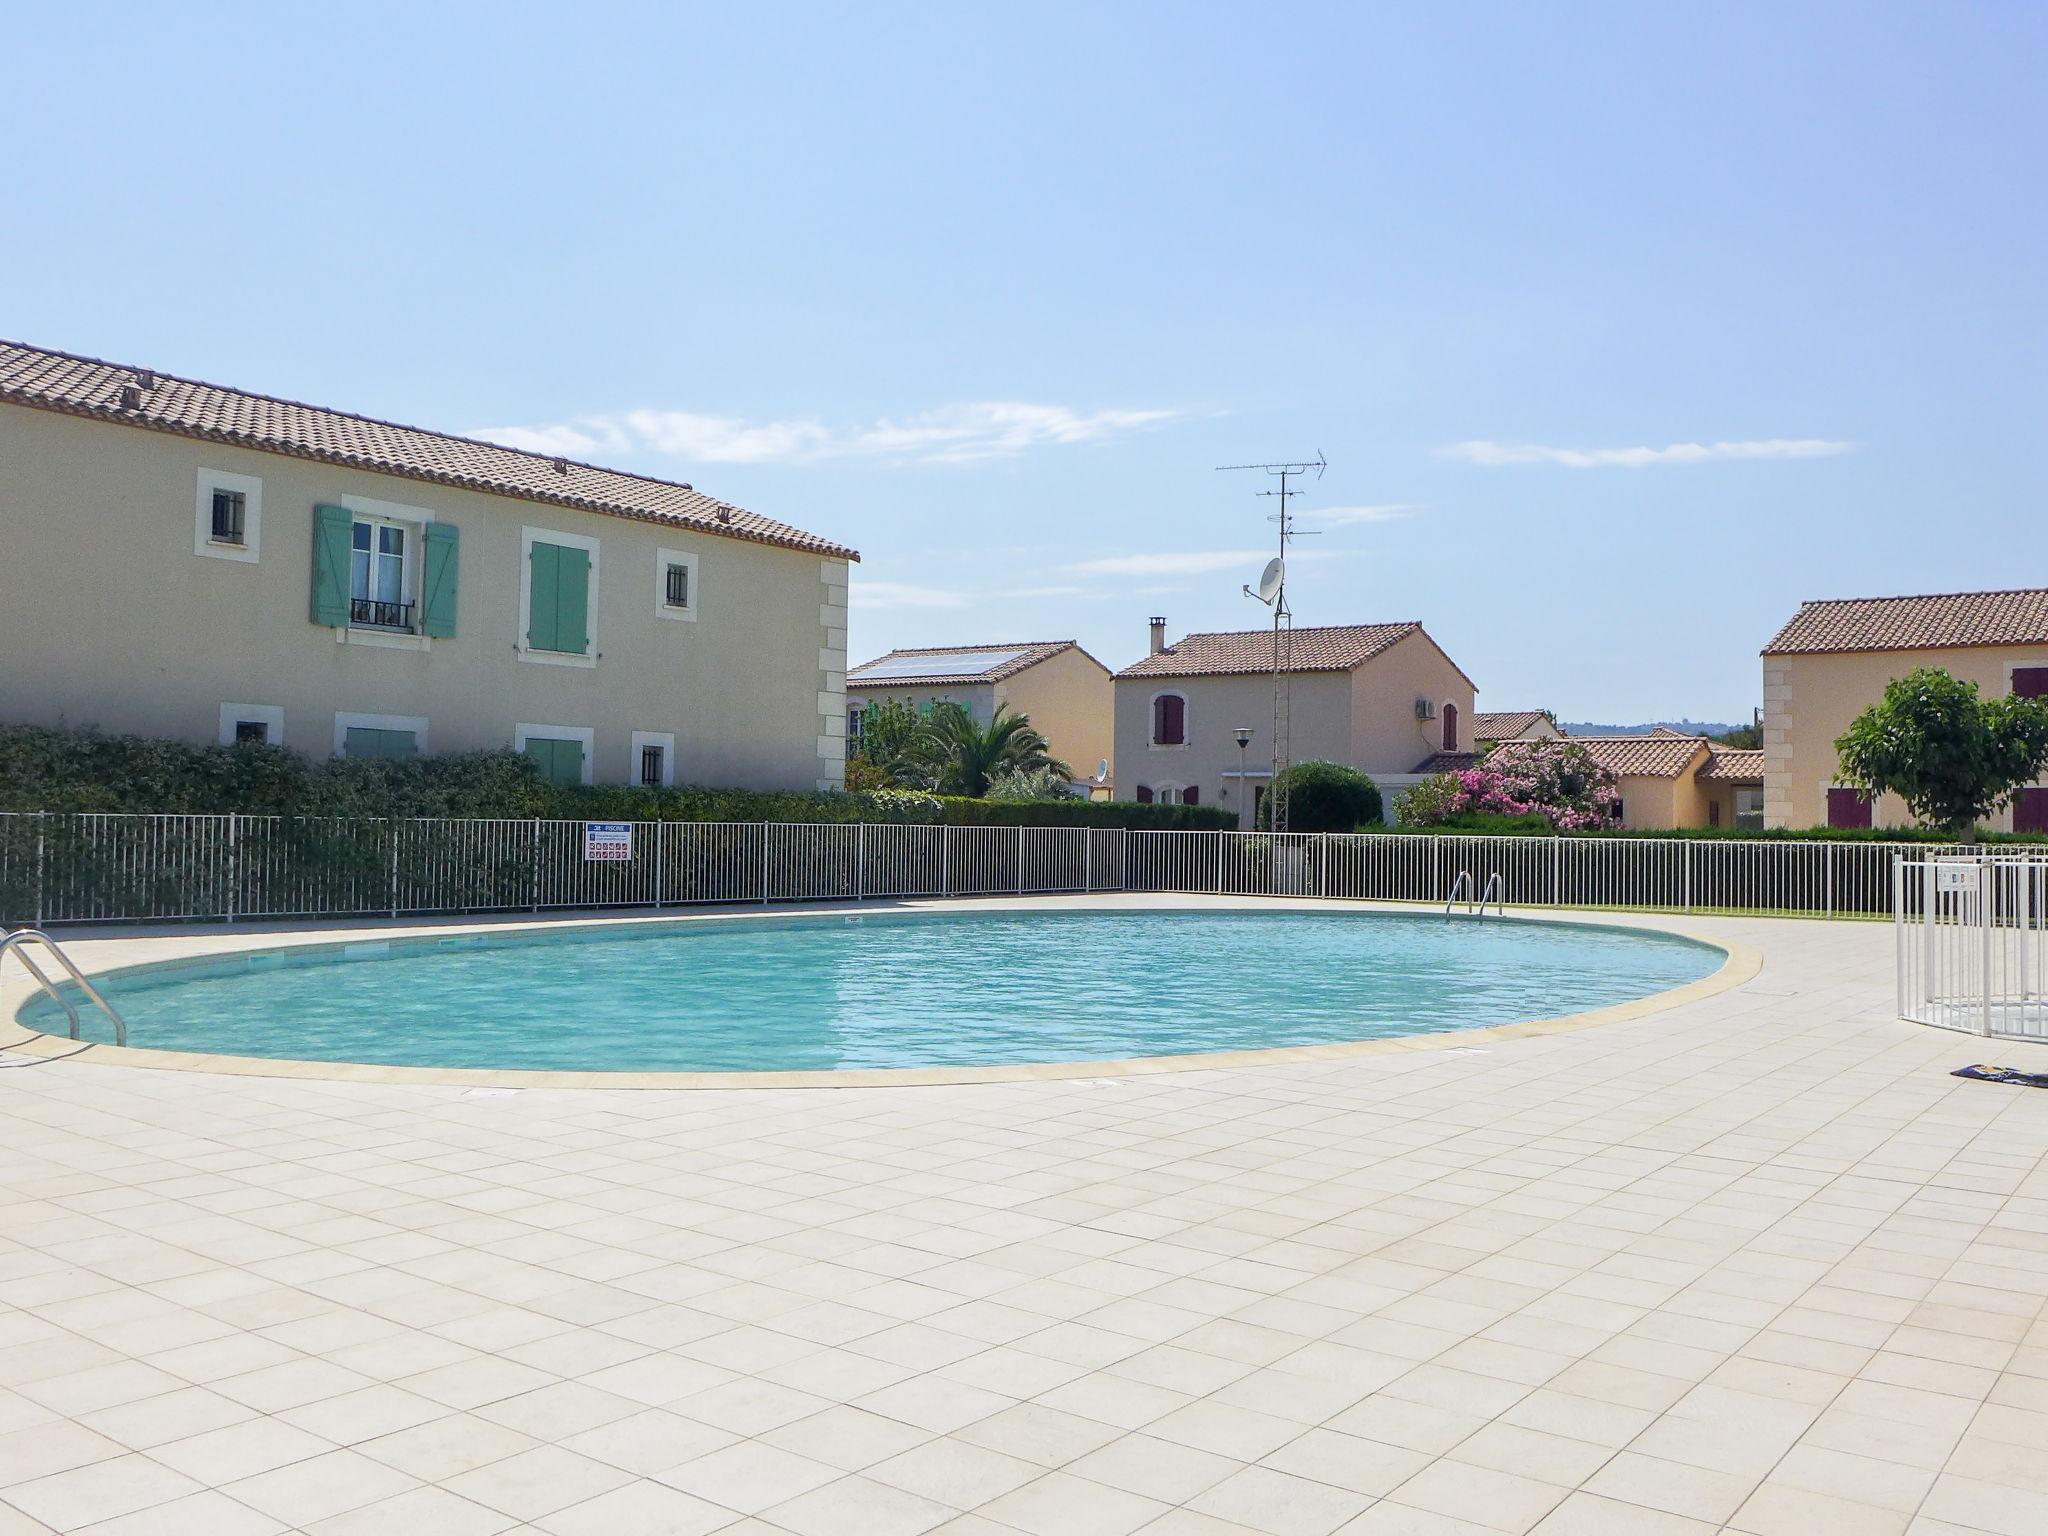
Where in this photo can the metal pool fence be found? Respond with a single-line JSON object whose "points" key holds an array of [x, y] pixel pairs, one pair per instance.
{"points": [[66, 868], [1971, 935]]}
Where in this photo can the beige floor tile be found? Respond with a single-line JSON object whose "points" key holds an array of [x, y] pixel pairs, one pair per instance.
{"points": [[537, 1482], [1058, 1504], [954, 1472], [417, 1512], [1264, 1499], [638, 1509], [318, 1488], [749, 1476], [100, 1490], [206, 1513], [860, 1504], [1158, 1469]]}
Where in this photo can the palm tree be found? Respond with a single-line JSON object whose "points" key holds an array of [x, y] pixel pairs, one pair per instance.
{"points": [[963, 756]]}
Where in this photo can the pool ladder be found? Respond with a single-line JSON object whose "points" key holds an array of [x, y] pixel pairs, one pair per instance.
{"points": [[1495, 892], [19, 941]]}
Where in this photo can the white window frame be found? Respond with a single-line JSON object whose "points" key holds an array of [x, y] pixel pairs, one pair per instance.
{"points": [[1187, 722], [522, 732], [666, 740], [1168, 793], [270, 715], [417, 724], [663, 560], [528, 537], [203, 541], [414, 521]]}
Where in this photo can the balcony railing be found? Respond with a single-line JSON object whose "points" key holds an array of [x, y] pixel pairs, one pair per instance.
{"points": [[380, 615]]}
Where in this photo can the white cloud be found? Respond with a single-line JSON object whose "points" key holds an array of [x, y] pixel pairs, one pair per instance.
{"points": [[1193, 562], [1491, 454], [902, 594], [954, 434], [1346, 517]]}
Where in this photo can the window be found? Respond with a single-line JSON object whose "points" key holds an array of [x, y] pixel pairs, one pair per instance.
{"points": [[562, 751], [1169, 720], [558, 604], [1450, 727], [2030, 682], [378, 594], [1749, 808], [251, 722], [1144, 794], [653, 761], [853, 724], [678, 592], [227, 516], [1848, 808], [1713, 813], [230, 515], [390, 736]]}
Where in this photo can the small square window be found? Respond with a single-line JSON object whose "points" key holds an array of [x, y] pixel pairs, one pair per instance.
{"points": [[252, 730], [650, 766], [230, 516], [679, 586]]}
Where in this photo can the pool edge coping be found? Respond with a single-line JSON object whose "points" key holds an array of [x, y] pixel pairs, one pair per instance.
{"points": [[1741, 963]]}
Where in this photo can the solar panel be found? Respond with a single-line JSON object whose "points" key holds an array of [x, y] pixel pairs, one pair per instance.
{"points": [[953, 664]]}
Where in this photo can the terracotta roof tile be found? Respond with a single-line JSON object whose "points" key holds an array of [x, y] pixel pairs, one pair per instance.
{"points": [[1014, 658], [1328, 648], [84, 386], [1732, 765], [1447, 762], [1650, 757], [1930, 622], [1504, 724]]}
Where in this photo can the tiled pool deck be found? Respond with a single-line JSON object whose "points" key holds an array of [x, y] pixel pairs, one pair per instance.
{"points": [[1752, 1263]]}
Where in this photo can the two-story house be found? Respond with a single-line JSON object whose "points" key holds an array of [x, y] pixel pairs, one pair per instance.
{"points": [[1832, 661], [1376, 697], [1066, 693], [192, 561]]}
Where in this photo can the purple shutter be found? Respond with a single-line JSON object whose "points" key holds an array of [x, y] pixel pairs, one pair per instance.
{"points": [[1191, 796], [2030, 809], [2030, 682], [1169, 720], [1848, 808], [1450, 727], [1144, 794]]}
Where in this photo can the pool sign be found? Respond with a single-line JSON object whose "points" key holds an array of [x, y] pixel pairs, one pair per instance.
{"points": [[1955, 874], [607, 841]]}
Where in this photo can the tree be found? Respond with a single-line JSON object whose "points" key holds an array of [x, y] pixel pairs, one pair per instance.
{"points": [[1742, 737], [891, 753], [1047, 783], [1952, 755], [1556, 780], [1325, 797], [961, 756]]}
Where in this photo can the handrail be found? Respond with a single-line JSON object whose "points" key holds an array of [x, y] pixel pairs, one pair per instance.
{"points": [[21, 938], [1496, 891], [1462, 883]]}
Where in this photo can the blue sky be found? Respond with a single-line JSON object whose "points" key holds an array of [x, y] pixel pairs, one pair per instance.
{"points": [[1624, 328]]}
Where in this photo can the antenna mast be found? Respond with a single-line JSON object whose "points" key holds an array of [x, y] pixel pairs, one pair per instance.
{"points": [[1283, 629]]}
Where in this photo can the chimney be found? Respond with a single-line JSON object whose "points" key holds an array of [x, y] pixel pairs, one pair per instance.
{"points": [[1158, 624]]}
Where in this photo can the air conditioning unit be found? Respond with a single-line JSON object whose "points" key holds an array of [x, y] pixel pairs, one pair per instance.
{"points": [[1425, 709]]}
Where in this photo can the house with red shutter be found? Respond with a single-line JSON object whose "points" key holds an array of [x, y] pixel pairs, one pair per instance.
{"points": [[1375, 697], [1833, 660]]}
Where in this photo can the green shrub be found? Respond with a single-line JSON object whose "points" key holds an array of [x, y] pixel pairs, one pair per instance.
{"points": [[1325, 797], [1086, 813]]}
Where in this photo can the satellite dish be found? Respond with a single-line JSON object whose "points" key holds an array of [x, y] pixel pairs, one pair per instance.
{"points": [[1102, 770], [1270, 580]]}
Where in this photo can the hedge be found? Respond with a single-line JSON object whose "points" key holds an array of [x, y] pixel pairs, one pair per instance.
{"points": [[53, 770], [1536, 826]]}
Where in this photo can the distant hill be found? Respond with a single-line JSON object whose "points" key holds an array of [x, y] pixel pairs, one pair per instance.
{"points": [[1690, 727]]}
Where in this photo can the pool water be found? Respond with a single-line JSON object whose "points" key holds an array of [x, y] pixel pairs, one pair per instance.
{"points": [[886, 989]]}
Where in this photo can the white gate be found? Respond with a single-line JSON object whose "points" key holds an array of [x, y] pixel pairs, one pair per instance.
{"points": [[1972, 942]]}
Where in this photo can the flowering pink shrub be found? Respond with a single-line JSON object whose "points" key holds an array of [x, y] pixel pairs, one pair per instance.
{"points": [[1557, 780]]}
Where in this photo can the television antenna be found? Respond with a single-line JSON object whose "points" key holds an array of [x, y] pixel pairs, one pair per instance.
{"points": [[1272, 591]]}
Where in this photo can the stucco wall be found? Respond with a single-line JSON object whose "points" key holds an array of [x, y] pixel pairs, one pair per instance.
{"points": [[1386, 736], [109, 618], [1072, 703], [1809, 700], [978, 699], [1321, 716]]}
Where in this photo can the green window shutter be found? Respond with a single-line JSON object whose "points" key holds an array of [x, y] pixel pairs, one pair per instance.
{"points": [[330, 565], [437, 581], [370, 741], [561, 762], [541, 587], [572, 600]]}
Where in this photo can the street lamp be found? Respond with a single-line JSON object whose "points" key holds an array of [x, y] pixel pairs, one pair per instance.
{"points": [[1244, 739]]}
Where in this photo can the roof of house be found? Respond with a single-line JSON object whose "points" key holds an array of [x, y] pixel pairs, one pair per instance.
{"points": [[1929, 622], [1447, 762], [1732, 765], [1504, 724], [1636, 757], [918, 665], [90, 387], [1321, 648]]}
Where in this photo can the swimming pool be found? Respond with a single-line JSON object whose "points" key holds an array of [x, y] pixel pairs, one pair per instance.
{"points": [[870, 989]]}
